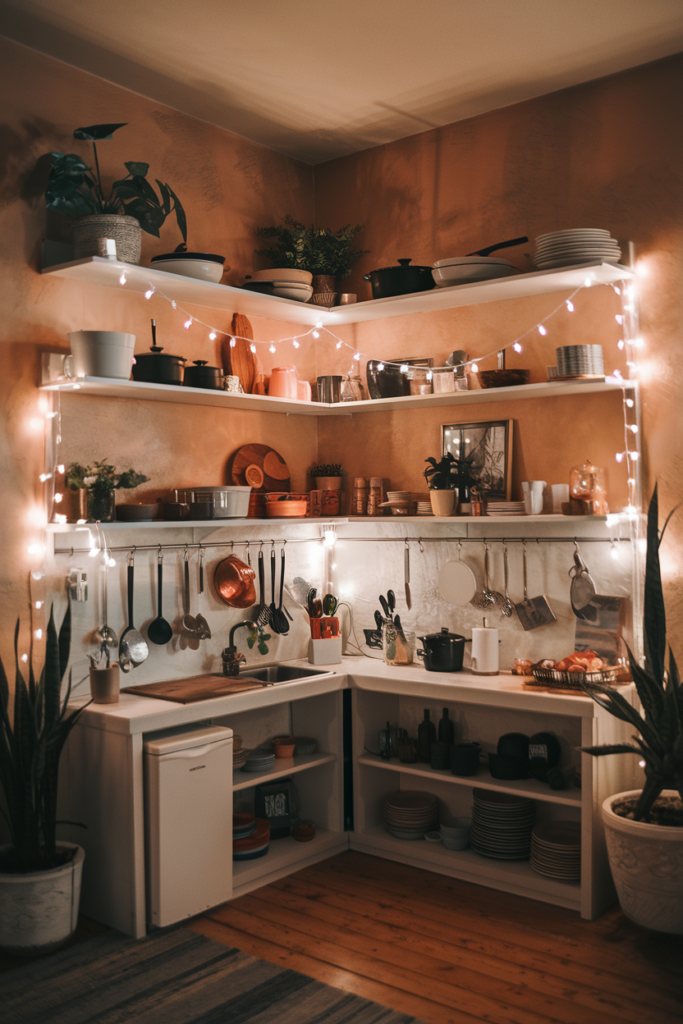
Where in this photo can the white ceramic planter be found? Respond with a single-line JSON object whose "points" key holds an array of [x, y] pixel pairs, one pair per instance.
{"points": [[647, 867], [39, 911], [101, 354]]}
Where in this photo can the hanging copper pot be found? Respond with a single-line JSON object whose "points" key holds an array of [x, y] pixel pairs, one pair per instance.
{"points": [[234, 582]]}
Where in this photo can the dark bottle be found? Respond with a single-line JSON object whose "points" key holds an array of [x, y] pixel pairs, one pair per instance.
{"points": [[426, 735], [385, 742], [446, 729]]}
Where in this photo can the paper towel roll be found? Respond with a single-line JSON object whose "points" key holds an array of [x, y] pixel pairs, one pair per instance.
{"points": [[485, 661]]}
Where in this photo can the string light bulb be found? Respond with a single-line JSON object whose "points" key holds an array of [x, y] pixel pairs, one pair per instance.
{"points": [[188, 323], [122, 279], [272, 348], [629, 402], [316, 334], [252, 348], [339, 344], [619, 318], [620, 343], [475, 368], [380, 367], [356, 356], [620, 456], [542, 330], [295, 343], [212, 336], [517, 347], [233, 342], [570, 306], [149, 293]]}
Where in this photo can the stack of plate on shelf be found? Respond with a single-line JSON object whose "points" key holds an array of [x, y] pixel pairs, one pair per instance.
{"points": [[424, 508], [580, 361], [571, 248], [505, 508], [254, 844], [400, 502], [501, 825], [556, 850], [259, 760], [409, 814], [239, 758], [243, 825]]}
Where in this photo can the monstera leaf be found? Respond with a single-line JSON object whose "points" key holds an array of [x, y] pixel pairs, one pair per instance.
{"points": [[98, 132]]}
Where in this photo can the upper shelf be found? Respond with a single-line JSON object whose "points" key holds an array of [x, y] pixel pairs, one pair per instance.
{"points": [[96, 270]]}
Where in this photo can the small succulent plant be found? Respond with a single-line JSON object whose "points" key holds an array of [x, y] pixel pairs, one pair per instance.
{"points": [[334, 469]]}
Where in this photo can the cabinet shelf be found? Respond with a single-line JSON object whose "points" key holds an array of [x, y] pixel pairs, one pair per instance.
{"points": [[192, 524], [283, 766], [285, 855], [529, 788], [96, 270]]}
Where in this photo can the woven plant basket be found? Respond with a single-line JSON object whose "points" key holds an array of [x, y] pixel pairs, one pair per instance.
{"points": [[125, 231]]}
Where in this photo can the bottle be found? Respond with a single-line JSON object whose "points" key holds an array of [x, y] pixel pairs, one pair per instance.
{"points": [[360, 496], [446, 728], [375, 496], [426, 735]]}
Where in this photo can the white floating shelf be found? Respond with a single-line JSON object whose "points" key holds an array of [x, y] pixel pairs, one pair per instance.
{"points": [[193, 524], [283, 766], [104, 387], [96, 270]]}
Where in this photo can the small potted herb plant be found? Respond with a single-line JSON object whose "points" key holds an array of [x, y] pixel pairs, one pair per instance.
{"points": [[97, 484], [130, 207], [327, 478]]}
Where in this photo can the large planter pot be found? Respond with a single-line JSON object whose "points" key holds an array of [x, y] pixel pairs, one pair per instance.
{"points": [[101, 354], [647, 867], [125, 231], [39, 910]]}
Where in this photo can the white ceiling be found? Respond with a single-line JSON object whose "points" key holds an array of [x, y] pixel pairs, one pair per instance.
{"points": [[318, 79]]}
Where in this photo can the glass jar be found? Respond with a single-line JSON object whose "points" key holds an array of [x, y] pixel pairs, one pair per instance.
{"points": [[352, 389], [587, 487], [101, 506], [398, 645]]}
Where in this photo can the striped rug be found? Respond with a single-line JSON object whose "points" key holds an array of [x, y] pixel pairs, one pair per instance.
{"points": [[173, 977]]}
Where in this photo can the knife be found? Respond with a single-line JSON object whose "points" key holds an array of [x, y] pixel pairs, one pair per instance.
{"points": [[406, 573]]}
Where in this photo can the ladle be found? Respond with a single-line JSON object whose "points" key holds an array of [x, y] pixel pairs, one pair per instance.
{"points": [[159, 630], [133, 647], [105, 634], [279, 620]]}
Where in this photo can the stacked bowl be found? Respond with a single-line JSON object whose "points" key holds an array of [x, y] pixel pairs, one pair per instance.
{"points": [[409, 814], [239, 754], [259, 760], [455, 833], [501, 825], [287, 283], [574, 247], [249, 844], [556, 850]]}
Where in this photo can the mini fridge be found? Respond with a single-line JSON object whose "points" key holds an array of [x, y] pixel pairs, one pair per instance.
{"points": [[188, 821]]}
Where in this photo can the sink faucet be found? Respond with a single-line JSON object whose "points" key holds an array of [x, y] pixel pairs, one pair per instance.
{"points": [[231, 657]]}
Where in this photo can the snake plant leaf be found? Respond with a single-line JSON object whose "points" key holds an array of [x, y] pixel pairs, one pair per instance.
{"points": [[611, 748], [136, 168], [651, 790], [64, 643], [654, 613], [179, 212], [98, 132], [649, 691]]}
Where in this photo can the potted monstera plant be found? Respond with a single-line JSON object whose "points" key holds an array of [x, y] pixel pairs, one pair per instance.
{"points": [[40, 878], [130, 207], [644, 828]]}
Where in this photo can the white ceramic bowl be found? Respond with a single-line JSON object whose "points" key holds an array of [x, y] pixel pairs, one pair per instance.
{"points": [[283, 274], [300, 293], [199, 269]]}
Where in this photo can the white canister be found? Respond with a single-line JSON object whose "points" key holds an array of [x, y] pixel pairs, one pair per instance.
{"points": [[485, 659], [101, 354]]}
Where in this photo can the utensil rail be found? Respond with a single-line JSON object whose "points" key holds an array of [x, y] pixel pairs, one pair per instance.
{"points": [[195, 546]]}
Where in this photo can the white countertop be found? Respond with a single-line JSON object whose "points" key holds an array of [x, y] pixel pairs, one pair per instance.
{"points": [[138, 714]]}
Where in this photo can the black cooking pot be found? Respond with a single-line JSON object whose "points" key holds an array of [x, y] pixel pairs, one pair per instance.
{"points": [[388, 382], [399, 280], [158, 367], [443, 652], [199, 375]]}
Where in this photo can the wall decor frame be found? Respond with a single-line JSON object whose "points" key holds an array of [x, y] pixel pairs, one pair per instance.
{"points": [[490, 442]]}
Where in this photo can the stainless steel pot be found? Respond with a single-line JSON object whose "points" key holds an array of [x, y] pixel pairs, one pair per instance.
{"points": [[399, 280], [443, 651]]}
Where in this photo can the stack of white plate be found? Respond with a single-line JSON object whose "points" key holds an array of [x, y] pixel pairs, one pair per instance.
{"points": [[424, 508], [239, 758], [409, 814], [259, 760], [580, 361], [505, 508], [292, 290], [501, 825], [556, 850], [576, 246], [399, 495]]}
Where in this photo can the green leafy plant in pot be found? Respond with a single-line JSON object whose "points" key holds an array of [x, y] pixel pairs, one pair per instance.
{"points": [[130, 206], [441, 480], [98, 483], [39, 876], [644, 829]]}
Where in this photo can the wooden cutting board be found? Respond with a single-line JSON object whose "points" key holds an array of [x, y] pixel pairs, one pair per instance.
{"points": [[188, 691], [267, 462], [240, 360]]}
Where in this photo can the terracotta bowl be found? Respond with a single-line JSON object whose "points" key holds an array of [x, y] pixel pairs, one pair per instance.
{"points": [[283, 739], [286, 509], [304, 831], [283, 749], [234, 581]]}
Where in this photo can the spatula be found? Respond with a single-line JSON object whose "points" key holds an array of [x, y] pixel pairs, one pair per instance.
{"points": [[535, 611]]}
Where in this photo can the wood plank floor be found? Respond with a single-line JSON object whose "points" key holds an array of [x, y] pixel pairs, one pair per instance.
{"points": [[450, 952]]}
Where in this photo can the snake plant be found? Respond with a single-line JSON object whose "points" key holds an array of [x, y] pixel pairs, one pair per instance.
{"points": [[659, 739], [31, 742]]}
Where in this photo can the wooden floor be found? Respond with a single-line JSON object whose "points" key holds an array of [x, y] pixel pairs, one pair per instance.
{"points": [[450, 952]]}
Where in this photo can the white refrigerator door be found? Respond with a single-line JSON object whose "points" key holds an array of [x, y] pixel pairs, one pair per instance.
{"points": [[188, 797]]}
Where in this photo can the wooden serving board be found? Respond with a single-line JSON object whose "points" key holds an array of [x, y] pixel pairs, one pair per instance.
{"points": [[270, 463], [240, 360], [195, 688]]}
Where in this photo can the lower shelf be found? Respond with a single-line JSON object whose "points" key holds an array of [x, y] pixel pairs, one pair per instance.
{"points": [[283, 857], [515, 876], [283, 766]]}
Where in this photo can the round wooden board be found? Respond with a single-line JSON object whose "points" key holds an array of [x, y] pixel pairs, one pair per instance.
{"points": [[269, 462]]}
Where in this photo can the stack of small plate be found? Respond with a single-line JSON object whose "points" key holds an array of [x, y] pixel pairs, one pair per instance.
{"points": [[409, 814], [571, 248], [259, 760], [501, 825], [424, 508], [239, 758], [505, 508], [243, 825], [580, 361], [556, 850], [253, 845]]}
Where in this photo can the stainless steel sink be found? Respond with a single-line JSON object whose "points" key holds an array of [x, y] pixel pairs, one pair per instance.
{"points": [[273, 674]]}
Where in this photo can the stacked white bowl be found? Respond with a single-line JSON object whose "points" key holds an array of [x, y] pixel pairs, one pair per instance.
{"points": [[287, 282]]}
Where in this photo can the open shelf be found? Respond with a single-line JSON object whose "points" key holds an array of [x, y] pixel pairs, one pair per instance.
{"points": [[529, 788], [191, 524], [96, 270], [283, 766], [516, 876], [285, 855]]}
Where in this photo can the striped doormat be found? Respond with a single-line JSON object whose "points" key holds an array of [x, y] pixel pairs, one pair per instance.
{"points": [[173, 977]]}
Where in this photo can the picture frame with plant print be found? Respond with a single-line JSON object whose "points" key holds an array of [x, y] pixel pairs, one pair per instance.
{"points": [[490, 442]]}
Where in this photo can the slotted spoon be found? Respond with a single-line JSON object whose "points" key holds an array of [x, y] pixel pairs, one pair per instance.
{"points": [[507, 607], [484, 598]]}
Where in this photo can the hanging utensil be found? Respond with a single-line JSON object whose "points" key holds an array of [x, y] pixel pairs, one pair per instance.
{"points": [[484, 599], [272, 615], [582, 590], [280, 623], [456, 583], [535, 611], [263, 616], [202, 624], [105, 634], [406, 575], [133, 648], [501, 245], [159, 630], [507, 607], [189, 621]]}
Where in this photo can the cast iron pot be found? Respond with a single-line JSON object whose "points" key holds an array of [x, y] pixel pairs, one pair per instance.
{"points": [[158, 367], [388, 382], [443, 652], [400, 280], [199, 375]]}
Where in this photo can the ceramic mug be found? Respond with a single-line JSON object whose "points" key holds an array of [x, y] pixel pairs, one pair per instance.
{"points": [[304, 393], [283, 382], [533, 496]]}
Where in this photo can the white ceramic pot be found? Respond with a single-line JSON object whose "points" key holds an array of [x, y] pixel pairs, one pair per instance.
{"points": [[39, 910], [443, 502], [647, 867], [101, 354]]}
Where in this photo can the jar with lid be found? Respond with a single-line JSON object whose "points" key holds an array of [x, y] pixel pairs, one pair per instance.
{"points": [[352, 389], [375, 498], [359, 504], [587, 492]]}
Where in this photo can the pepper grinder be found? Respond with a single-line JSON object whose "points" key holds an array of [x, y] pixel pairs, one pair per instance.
{"points": [[485, 660]]}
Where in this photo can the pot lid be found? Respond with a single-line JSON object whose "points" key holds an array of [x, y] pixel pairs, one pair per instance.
{"points": [[444, 635], [201, 365], [181, 253], [156, 350], [403, 265]]}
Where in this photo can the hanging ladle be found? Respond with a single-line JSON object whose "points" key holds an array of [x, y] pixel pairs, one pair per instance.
{"points": [[133, 647], [159, 630]]}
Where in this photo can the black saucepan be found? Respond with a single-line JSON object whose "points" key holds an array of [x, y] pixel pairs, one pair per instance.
{"points": [[399, 280], [443, 651]]}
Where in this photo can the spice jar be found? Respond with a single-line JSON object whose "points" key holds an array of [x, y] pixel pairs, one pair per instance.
{"points": [[375, 498], [587, 492], [359, 506]]}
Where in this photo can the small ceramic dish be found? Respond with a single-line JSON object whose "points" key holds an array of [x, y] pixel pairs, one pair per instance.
{"points": [[304, 745], [303, 832], [433, 837], [137, 513]]}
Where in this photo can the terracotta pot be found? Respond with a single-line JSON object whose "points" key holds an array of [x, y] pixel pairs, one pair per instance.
{"points": [[283, 382]]}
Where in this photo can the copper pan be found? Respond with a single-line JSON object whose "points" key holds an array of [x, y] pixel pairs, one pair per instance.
{"points": [[234, 582]]}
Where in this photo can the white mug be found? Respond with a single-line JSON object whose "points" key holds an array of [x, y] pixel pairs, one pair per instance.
{"points": [[533, 496], [560, 495]]}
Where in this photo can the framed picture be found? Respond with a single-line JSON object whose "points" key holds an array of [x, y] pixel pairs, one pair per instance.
{"points": [[490, 446]]}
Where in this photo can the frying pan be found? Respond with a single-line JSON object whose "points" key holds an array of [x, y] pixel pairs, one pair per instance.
{"points": [[500, 245]]}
